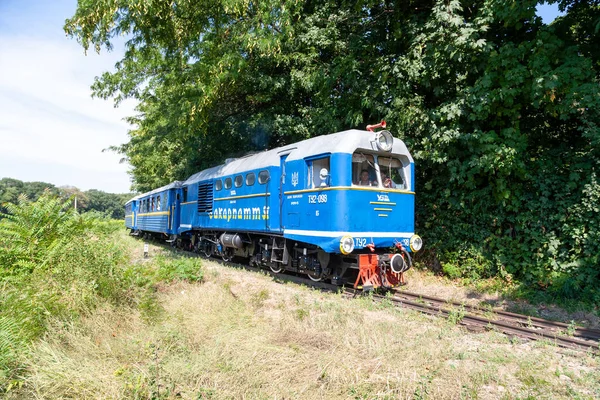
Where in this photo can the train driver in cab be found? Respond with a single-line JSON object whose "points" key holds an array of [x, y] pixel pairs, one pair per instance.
{"points": [[387, 181], [365, 180]]}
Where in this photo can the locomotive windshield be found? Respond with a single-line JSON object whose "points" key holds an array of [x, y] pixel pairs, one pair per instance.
{"points": [[379, 171]]}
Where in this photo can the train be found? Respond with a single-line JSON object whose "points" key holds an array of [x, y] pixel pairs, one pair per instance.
{"points": [[337, 207]]}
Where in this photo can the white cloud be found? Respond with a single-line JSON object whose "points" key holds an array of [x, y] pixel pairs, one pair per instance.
{"points": [[50, 128]]}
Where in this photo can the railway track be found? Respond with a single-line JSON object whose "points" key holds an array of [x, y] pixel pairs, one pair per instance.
{"points": [[472, 317], [476, 318]]}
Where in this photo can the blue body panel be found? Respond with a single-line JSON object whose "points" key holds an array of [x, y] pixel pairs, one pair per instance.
{"points": [[322, 216], [161, 220], [131, 211], [288, 205], [370, 215], [244, 208]]}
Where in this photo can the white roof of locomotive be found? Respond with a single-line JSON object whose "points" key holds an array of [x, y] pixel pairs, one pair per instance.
{"points": [[341, 142]]}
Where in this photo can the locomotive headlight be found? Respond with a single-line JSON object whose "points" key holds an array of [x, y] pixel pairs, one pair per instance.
{"points": [[384, 140], [416, 243], [346, 244]]}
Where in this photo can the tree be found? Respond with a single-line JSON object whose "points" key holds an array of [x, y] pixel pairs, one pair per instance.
{"points": [[108, 203], [79, 198], [500, 110], [10, 189]]}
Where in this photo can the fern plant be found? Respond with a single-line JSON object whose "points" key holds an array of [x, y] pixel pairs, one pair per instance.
{"points": [[32, 231]]}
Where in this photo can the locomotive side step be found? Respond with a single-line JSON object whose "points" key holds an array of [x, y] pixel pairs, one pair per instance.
{"points": [[285, 256]]}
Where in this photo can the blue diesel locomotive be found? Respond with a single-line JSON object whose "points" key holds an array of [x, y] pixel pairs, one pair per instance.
{"points": [[338, 206]]}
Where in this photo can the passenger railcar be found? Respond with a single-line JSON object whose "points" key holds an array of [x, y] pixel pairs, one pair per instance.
{"points": [[131, 211], [157, 211], [338, 206]]}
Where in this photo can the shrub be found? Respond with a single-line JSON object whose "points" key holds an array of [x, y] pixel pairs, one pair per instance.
{"points": [[182, 268], [54, 262]]}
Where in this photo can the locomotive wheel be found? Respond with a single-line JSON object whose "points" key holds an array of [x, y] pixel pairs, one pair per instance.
{"points": [[276, 268], [314, 277], [226, 255], [207, 250]]}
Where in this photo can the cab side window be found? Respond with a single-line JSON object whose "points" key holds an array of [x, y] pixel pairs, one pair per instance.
{"points": [[315, 168], [363, 170]]}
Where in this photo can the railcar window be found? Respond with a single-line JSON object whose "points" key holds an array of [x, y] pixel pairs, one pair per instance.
{"points": [[238, 180], [218, 184], [250, 179], [314, 169], [185, 194], [263, 176], [158, 202], [227, 183]]}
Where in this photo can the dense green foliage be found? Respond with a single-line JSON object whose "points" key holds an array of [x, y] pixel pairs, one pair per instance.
{"points": [[57, 264], [108, 204], [11, 189], [500, 110]]}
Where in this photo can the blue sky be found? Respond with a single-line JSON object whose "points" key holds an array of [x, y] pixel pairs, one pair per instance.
{"points": [[51, 130]]}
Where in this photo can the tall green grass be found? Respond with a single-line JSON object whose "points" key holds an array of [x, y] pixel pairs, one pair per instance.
{"points": [[53, 262], [57, 264]]}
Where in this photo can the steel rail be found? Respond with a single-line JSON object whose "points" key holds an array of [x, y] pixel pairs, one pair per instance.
{"points": [[468, 320], [527, 321], [501, 326]]}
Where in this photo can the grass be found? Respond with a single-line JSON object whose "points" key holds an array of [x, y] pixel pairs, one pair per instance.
{"points": [[237, 334], [58, 268], [98, 320]]}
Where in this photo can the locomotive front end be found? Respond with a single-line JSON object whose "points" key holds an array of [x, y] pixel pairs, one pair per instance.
{"points": [[381, 204]]}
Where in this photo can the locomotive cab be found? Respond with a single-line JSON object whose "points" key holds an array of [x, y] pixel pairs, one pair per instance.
{"points": [[356, 203]]}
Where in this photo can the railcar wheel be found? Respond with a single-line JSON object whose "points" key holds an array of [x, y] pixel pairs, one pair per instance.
{"points": [[315, 278]]}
